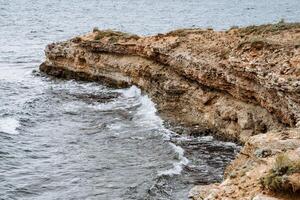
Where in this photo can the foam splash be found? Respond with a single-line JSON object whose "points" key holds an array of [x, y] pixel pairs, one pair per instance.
{"points": [[178, 166], [9, 125], [146, 116], [147, 113], [131, 92]]}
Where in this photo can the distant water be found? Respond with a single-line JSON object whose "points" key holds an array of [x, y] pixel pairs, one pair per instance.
{"points": [[76, 140]]}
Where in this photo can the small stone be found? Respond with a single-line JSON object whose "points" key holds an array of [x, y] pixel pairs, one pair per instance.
{"points": [[263, 153]]}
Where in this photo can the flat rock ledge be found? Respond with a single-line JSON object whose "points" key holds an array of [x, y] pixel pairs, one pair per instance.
{"points": [[242, 84]]}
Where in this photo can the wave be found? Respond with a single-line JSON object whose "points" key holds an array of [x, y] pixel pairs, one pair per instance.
{"points": [[9, 125], [146, 115], [178, 166], [142, 110]]}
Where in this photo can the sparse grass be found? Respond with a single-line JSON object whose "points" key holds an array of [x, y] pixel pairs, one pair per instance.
{"points": [[255, 42], [277, 178], [95, 29], [114, 35], [76, 39], [281, 25], [97, 37], [113, 39], [233, 27], [282, 164], [184, 32]]}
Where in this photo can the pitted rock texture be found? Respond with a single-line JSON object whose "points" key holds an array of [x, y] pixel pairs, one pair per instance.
{"points": [[243, 176], [243, 84]]}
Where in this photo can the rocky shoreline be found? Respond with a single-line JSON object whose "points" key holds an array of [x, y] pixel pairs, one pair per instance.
{"points": [[243, 84]]}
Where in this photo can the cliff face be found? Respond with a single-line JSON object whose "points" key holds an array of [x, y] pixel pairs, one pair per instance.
{"points": [[239, 82]]}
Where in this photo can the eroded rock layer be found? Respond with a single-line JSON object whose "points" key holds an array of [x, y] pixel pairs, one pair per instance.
{"points": [[239, 83]]}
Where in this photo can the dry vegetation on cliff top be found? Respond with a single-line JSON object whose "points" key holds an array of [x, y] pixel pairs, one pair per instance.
{"points": [[284, 175]]}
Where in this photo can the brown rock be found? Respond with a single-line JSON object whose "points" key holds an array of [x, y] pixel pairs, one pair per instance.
{"points": [[244, 83]]}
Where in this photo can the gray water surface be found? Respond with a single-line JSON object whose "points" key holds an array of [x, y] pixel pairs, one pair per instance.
{"points": [[66, 140]]}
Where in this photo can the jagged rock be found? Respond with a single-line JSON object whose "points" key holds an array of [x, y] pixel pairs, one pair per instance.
{"points": [[243, 83], [249, 169], [234, 80]]}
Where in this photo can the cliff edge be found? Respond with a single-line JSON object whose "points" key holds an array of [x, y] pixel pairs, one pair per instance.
{"points": [[242, 84]]}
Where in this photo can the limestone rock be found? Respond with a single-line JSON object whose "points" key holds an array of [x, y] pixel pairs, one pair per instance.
{"points": [[241, 81], [243, 84]]}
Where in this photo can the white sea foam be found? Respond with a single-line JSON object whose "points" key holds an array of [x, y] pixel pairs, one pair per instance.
{"points": [[9, 125], [146, 115], [133, 91], [120, 103], [114, 127], [178, 166]]}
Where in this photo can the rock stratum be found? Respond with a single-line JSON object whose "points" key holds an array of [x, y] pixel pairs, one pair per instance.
{"points": [[242, 84]]}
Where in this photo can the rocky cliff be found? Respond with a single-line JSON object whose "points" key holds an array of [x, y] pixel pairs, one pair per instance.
{"points": [[242, 84]]}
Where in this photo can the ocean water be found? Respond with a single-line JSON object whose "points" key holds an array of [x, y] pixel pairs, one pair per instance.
{"points": [[62, 139]]}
